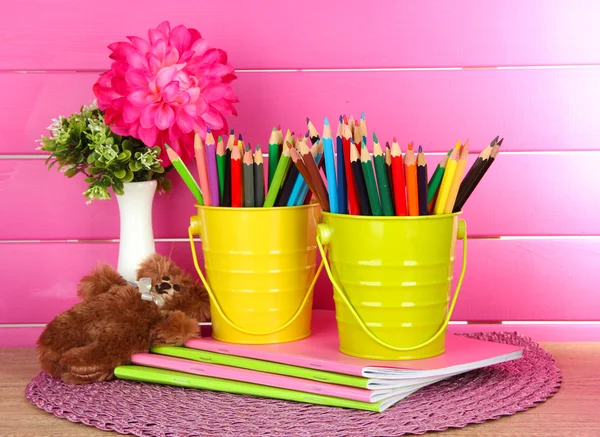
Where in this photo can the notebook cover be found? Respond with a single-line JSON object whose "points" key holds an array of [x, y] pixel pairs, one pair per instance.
{"points": [[262, 378], [169, 377], [320, 350], [262, 366]]}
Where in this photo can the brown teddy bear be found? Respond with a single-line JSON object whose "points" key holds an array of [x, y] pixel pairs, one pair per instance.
{"points": [[117, 319]]}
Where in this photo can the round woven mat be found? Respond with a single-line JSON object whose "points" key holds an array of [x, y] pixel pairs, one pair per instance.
{"points": [[155, 410]]}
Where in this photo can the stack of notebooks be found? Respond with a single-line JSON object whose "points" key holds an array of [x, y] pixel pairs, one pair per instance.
{"points": [[312, 370]]}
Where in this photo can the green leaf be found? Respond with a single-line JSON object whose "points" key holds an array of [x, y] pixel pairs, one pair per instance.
{"points": [[71, 172], [124, 155], [90, 179], [128, 177], [121, 173]]}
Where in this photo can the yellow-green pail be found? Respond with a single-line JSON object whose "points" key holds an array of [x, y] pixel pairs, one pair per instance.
{"points": [[392, 278], [260, 270]]}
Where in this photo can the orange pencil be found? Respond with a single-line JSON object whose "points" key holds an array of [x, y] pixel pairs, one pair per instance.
{"points": [[236, 178], [201, 163], [412, 187], [398, 176]]}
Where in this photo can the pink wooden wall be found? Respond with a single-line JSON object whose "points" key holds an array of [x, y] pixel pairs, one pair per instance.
{"points": [[428, 71]]}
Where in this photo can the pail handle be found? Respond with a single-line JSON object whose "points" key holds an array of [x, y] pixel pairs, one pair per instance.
{"points": [[462, 234], [194, 226]]}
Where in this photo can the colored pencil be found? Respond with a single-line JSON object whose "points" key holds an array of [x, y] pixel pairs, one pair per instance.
{"points": [[422, 182], [231, 139], [236, 178], [259, 177], [297, 160], [488, 163], [388, 168], [412, 188], [458, 176], [341, 171], [382, 178], [369, 176], [227, 183], [436, 178], [358, 139], [200, 154], [363, 128], [211, 168], [312, 131], [353, 204], [330, 166], [442, 196], [313, 170], [278, 178], [292, 178], [466, 186], [273, 154], [361, 187], [317, 152], [221, 168], [248, 167], [185, 174], [398, 176]]}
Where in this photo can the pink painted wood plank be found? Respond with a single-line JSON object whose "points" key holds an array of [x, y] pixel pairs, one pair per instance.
{"points": [[526, 279], [70, 34], [47, 274], [518, 196], [532, 109], [506, 279], [26, 337]]}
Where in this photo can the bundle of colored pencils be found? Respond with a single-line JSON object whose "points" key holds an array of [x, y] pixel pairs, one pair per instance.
{"points": [[353, 182]]}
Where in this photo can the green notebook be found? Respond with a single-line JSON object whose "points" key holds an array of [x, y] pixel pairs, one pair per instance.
{"points": [[261, 366], [170, 377]]}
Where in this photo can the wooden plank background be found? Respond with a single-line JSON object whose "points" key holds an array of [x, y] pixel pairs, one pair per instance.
{"points": [[414, 68]]}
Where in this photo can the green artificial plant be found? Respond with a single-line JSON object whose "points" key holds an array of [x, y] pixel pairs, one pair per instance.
{"points": [[83, 143]]}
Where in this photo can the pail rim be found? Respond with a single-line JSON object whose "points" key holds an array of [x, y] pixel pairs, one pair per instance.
{"points": [[393, 217], [257, 208]]}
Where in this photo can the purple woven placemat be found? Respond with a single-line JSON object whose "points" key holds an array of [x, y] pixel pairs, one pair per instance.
{"points": [[155, 410]]}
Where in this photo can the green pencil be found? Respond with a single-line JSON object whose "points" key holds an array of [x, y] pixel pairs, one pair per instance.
{"points": [[278, 178], [221, 167], [436, 178], [367, 167], [185, 174], [382, 178], [273, 154]]}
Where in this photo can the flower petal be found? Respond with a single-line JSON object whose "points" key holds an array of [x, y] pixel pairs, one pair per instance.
{"points": [[165, 75], [120, 85], [120, 50], [160, 49], [154, 64], [139, 97], [180, 38], [137, 60], [148, 136], [214, 92], [212, 118], [148, 115], [131, 113], [140, 44], [137, 78], [170, 92], [164, 117], [185, 122], [200, 46], [171, 57]]}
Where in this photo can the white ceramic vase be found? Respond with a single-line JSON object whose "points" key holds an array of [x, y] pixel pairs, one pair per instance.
{"points": [[136, 239]]}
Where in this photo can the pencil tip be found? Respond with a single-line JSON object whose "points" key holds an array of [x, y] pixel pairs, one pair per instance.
{"points": [[420, 149], [219, 138], [387, 144], [240, 137], [258, 147], [278, 127], [345, 119], [410, 146], [394, 140], [307, 120], [274, 129], [326, 122], [375, 138], [341, 119], [362, 115], [231, 132], [306, 135], [167, 146], [208, 129]]}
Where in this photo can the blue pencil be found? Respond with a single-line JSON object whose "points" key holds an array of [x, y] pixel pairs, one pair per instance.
{"points": [[330, 167], [341, 173]]}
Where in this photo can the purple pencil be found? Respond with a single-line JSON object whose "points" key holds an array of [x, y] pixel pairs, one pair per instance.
{"points": [[211, 169]]}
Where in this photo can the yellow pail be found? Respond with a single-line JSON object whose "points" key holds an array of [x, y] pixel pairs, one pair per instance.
{"points": [[392, 278], [260, 270]]}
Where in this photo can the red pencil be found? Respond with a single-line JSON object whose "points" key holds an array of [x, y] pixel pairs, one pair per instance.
{"points": [[353, 205], [398, 176], [236, 178]]}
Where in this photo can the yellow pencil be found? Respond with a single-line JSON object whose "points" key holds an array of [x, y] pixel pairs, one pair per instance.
{"points": [[458, 176], [442, 197]]}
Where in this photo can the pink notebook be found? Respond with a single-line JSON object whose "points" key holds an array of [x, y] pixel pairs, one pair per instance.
{"points": [[320, 351], [273, 380]]}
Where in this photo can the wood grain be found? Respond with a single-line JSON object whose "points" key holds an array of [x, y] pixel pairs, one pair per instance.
{"points": [[570, 412], [537, 280], [532, 109], [38, 34]]}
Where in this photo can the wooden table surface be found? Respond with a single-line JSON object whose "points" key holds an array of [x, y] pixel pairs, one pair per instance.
{"points": [[574, 411]]}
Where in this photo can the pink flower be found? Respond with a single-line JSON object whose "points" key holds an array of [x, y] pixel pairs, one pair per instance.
{"points": [[166, 89]]}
